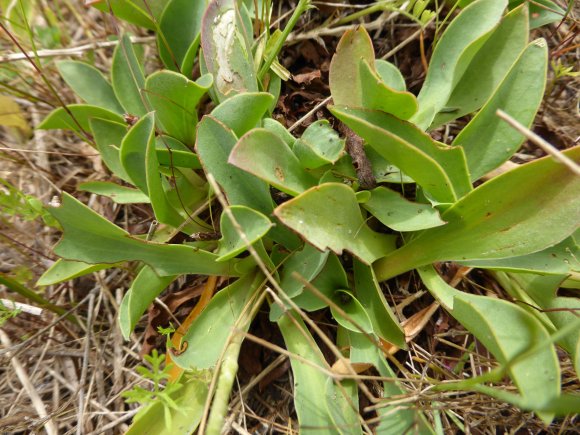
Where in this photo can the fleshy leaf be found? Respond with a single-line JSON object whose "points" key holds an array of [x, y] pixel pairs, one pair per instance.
{"points": [[254, 225], [119, 194], [328, 216], [143, 291], [354, 312], [394, 211], [226, 51], [370, 295], [455, 50], [208, 334], [108, 136], [214, 144], [244, 111], [439, 169], [377, 95], [354, 81], [127, 77], [489, 141], [179, 26], [390, 75], [265, 155], [65, 270], [133, 152], [344, 76], [488, 68], [394, 419], [82, 114], [90, 238], [309, 381], [319, 145], [174, 99], [560, 259], [330, 279], [89, 84], [507, 331], [517, 213]]}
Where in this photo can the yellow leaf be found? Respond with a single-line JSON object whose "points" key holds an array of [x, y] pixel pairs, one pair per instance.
{"points": [[11, 115]]}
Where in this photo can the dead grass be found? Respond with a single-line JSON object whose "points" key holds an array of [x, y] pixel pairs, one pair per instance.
{"points": [[63, 377]]}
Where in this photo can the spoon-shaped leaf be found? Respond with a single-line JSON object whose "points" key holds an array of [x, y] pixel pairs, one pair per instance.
{"points": [[394, 211], [265, 155], [507, 331], [328, 216], [174, 99], [439, 169], [127, 77], [90, 238], [488, 141], [254, 225], [455, 50], [89, 84]]}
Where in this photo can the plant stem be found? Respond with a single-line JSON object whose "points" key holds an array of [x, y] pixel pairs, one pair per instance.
{"points": [[31, 295], [303, 6]]}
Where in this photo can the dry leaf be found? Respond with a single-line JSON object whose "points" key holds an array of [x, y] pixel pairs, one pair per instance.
{"points": [[345, 367]]}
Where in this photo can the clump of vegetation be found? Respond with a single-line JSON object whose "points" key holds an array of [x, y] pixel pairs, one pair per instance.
{"points": [[321, 221]]}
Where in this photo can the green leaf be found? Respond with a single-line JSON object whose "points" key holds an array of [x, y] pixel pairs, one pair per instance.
{"points": [[507, 331], [226, 51], [319, 145], [174, 99], [377, 95], [342, 405], [132, 11], [82, 114], [455, 50], [560, 259], [279, 130], [439, 169], [90, 238], [390, 75], [208, 334], [488, 67], [394, 419], [489, 141], [355, 82], [143, 291], [173, 153], [355, 315], [394, 211], [179, 27], [89, 84], [328, 216], [560, 310], [214, 144], [119, 194], [346, 86], [133, 152], [64, 270], [370, 295], [127, 77], [307, 263], [309, 382], [160, 201], [253, 224], [518, 213], [108, 136], [184, 418], [330, 279], [243, 112], [265, 155]]}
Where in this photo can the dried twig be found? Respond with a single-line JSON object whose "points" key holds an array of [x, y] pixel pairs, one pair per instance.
{"points": [[540, 142]]}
